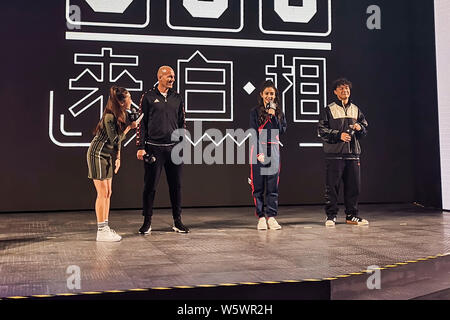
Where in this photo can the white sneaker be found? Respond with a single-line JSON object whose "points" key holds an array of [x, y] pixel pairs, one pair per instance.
{"points": [[108, 235], [262, 225], [330, 222], [273, 224]]}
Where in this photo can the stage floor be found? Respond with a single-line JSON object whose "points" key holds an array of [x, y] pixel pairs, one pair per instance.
{"points": [[223, 247]]}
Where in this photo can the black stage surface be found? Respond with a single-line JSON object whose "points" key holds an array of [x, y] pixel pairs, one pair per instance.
{"points": [[405, 252]]}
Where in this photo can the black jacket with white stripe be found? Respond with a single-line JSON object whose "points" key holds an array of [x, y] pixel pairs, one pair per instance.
{"points": [[336, 119]]}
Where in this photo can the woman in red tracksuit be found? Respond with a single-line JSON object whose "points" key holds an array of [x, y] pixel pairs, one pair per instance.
{"points": [[270, 122]]}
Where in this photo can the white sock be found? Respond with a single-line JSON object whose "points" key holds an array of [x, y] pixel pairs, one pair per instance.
{"points": [[102, 225]]}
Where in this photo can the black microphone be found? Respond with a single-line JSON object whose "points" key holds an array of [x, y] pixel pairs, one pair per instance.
{"points": [[133, 114], [149, 158], [350, 131]]}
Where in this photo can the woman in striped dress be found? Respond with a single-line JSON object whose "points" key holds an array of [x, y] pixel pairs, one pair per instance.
{"points": [[109, 133]]}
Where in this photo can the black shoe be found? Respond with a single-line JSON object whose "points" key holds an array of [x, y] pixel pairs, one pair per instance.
{"points": [[146, 227], [178, 226], [352, 219]]}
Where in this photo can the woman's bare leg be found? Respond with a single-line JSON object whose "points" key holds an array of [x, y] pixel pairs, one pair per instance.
{"points": [[102, 201], [108, 201]]}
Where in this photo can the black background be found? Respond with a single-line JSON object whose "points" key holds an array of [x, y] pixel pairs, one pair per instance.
{"points": [[392, 69]]}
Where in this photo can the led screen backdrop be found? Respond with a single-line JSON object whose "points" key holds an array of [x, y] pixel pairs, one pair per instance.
{"points": [[63, 56]]}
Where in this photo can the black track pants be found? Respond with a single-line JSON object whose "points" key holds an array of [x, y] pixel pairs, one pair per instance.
{"points": [[266, 178], [349, 173], [152, 175]]}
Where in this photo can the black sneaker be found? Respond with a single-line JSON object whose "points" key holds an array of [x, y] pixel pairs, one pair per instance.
{"points": [[352, 219], [146, 227], [178, 226]]}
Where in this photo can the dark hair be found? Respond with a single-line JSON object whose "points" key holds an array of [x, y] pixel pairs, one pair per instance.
{"points": [[116, 107], [341, 82], [262, 115]]}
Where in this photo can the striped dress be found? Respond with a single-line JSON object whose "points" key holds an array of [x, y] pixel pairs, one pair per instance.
{"points": [[106, 143]]}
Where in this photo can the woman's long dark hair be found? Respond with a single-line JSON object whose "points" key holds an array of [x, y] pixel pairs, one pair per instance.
{"points": [[116, 107], [262, 114]]}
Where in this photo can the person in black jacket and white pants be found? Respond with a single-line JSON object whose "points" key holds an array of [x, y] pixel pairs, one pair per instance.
{"points": [[341, 126], [163, 110]]}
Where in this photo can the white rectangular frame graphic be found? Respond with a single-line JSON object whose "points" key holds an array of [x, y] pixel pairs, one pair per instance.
{"points": [[198, 53], [302, 90], [171, 26], [308, 75], [294, 33], [224, 106], [302, 111], [186, 77], [108, 24], [324, 60]]}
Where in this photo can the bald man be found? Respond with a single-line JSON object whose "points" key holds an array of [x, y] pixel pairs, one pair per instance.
{"points": [[163, 110]]}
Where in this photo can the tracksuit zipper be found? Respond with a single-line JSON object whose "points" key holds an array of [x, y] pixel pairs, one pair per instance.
{"points": [[348, 143]]}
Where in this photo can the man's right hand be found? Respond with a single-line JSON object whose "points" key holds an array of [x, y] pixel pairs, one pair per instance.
{"points": [[141, 154], [346, 137]]}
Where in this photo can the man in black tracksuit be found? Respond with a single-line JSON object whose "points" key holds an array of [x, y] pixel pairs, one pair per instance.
{"points": [[163, 111], [341, 126]]}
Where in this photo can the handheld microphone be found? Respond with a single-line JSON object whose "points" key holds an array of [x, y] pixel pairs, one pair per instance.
{"points": [[132, 114], [271, 105], [351, 130], [149, 158]]}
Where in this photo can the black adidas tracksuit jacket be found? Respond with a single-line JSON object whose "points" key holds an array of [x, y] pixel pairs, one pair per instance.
{"points": [[162, 116]]}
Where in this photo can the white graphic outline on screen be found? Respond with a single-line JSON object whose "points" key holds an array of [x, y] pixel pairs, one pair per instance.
{"points": [[74, 110], [108, 24], [229, 87], [174, 27]]}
